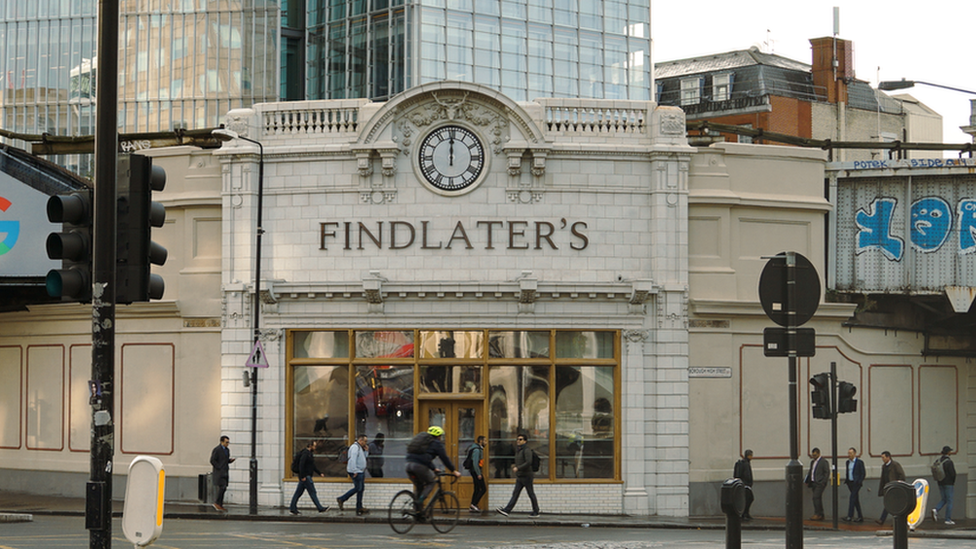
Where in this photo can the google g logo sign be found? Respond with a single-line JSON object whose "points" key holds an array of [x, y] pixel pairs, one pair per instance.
{"points": [[9, 230]]}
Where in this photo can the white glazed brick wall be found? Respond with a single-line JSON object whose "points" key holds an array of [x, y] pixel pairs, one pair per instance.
{"points": [[636, 231]]}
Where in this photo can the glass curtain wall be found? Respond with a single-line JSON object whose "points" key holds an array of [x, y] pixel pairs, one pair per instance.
{"points": [[185, 63], [526, 48], [47, 50]]}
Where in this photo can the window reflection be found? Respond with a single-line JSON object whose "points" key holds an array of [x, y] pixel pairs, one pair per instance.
{"points": [[518, 401], [584, 344], [321, 345], [450, 379], [384, 413], [518, 344], [387, 344], [452, 344], [321, 414], [584, 422]]}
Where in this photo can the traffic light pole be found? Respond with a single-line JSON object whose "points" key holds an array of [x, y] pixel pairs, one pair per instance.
{"points": [[98, 508], [794, 469], [833, 434]]}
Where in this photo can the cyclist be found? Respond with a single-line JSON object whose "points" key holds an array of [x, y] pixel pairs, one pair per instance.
{"points": [[421, 452]]}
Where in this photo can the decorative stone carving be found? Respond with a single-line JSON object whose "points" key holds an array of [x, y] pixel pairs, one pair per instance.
{"points": [[672, 124]]}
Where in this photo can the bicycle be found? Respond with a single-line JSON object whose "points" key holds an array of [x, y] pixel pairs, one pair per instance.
{"points": [[441, 511]]}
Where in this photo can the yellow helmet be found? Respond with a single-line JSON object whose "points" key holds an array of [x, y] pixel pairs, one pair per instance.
{"points": [[435, 431]]}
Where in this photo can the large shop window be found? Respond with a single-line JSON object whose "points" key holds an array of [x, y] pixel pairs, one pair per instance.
{"points": [[560, 387]]}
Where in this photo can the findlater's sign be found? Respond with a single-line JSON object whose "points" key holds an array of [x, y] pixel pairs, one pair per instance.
{"points": [[484, 234]]}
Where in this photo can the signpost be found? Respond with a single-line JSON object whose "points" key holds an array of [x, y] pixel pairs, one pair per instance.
{"points": [[789, 290]]}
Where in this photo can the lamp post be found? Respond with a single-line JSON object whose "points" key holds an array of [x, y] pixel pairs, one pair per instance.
{"points": [[229, 135], [889, 85]]}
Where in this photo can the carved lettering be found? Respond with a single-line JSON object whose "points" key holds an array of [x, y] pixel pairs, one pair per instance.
{"points": [[408, 243], [459, 234], [584, 241], [490, 225], [547, 236], [323, 233], [512, 233]]}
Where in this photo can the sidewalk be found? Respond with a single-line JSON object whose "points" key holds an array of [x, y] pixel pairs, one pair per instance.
{"points": [[16, 507]]}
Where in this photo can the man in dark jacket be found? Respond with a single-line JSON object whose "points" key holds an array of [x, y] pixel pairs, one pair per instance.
{"points": [[220, 460], [890, 472], [306, 469], [946, 487], [854, 478], [523, 477], [817, 478], [421, 452], [743, 472]]}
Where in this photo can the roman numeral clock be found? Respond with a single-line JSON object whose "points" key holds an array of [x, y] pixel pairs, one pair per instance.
{"points": [[451, 160]]}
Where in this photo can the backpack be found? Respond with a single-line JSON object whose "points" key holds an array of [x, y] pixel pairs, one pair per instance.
{"points": [[343, 456], [468, 462], [938, 471], [295, 463], [419, 444], [536, 462]]}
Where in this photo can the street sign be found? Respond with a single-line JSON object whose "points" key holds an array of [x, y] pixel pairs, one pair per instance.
{"points": [[776, 342], [774, 289], [257, 358]]}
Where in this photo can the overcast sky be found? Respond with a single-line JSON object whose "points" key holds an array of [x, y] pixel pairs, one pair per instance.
{"points": [[931, 41]]}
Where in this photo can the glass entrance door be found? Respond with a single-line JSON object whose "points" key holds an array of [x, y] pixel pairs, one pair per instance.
{"points": [[462, 424]]}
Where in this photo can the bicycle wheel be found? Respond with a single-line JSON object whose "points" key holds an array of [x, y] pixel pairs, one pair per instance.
{"points": [[401, 512], [445, 512]]}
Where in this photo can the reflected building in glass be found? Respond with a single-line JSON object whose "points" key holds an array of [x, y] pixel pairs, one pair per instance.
{"points": [[183, 64]]}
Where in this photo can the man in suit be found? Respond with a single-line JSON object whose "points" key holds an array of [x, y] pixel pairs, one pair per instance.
{"points": [[817, 479], [743, 472], [220, 460], [890, 472], [854, 479]]}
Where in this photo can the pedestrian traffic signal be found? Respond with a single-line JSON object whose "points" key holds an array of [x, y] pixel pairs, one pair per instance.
{"points": [[845, 397], [73, 246], [137, 215], [820, 396]]}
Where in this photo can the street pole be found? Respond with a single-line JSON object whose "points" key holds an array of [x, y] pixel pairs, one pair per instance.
{"points": [[794, 469], [833, 434], [229, 135], [98, 507], [253, 502]]}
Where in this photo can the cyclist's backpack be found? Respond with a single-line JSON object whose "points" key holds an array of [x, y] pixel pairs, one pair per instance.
{"points": [[419, 444], [295, 462], [938, 472], [468, 462], [536, 462]]}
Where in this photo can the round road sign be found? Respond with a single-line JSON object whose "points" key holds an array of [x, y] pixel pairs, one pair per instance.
{"points": [[773, 290]]}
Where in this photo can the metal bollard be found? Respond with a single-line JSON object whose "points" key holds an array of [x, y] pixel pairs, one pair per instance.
{"points": [[733, 505], [899, 500]]}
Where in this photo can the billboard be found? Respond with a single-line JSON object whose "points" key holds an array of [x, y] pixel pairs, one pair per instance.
{"points": [[23, 229]]}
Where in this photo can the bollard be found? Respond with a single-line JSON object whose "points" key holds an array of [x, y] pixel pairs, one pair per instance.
{"points": [[899, 500], [733, 504]]}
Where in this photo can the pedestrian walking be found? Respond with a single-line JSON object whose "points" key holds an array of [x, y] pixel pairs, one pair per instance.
{"points": [[523, 469], [817, 479], [220, 460], [477, 455], [356, 469], [306, 469], [943, 467], [743, 472], [854, 478], [890, 472]]}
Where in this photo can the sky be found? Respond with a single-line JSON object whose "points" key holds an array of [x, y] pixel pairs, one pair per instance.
{"points": [[929, 41]]}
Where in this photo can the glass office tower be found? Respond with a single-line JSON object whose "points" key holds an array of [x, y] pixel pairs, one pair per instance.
{"points": [[523, 48], [185, 63]]}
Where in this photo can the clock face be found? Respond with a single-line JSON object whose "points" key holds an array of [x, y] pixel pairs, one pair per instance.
{"points": [[451, 158]]}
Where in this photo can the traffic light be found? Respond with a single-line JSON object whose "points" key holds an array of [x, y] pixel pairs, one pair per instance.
{"points": [[820, 396], [137, 215], [73, 246], [845, 397]]}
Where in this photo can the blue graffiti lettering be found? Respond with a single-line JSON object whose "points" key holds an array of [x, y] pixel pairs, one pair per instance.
{"points": [[931, 222], [875, 229], [870, 164], [967, 225]]}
